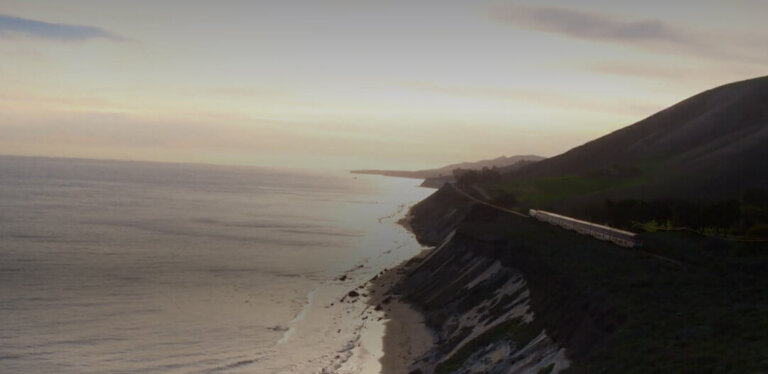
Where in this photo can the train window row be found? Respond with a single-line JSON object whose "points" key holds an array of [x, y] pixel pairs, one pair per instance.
{"points": [[616, 236]]}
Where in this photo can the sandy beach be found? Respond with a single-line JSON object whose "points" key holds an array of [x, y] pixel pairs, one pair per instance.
{"points": [[406, 337]]}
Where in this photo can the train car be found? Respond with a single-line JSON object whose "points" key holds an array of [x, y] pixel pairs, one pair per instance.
{"points": [[602, 232]]}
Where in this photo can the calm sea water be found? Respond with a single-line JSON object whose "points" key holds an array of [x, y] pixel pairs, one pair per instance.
{"points": [[122, 267]]}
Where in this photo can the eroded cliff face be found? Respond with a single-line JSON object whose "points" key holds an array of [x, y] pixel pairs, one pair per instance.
{"points": [[478, 305], [506, 293], [433, 219]]}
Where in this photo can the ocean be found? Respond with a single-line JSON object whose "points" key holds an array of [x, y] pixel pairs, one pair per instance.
{"points": [[134, 267]]}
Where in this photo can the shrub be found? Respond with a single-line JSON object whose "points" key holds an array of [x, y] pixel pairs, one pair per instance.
{"points": [[759, 231]]}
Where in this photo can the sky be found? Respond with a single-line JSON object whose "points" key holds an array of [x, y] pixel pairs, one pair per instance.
{"points": [[342, 84]]}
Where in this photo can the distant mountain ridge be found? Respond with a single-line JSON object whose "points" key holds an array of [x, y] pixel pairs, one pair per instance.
{"points": [[503, 162], [713, 144]]}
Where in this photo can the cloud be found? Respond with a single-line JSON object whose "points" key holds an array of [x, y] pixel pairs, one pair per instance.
{"points": [[590, 25], [649, 34], [13, 26]]}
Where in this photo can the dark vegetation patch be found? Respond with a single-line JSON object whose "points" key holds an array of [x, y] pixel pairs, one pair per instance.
{"points": [[630, 311], [547, 369], [545, 190], [725, 217], [621, 310]]}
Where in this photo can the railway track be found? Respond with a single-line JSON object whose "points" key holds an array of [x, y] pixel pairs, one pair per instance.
{"points": [[507, 210]]}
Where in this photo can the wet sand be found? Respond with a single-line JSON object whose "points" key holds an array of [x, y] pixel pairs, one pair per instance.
{"points": [[406, 337]]}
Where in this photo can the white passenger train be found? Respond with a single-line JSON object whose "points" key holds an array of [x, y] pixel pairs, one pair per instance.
{"points": [[618, 237]]}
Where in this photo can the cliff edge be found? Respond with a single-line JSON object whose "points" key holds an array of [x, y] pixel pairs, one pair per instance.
{"points": [[506, 294]]}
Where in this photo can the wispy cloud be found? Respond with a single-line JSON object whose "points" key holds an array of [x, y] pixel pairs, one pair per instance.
{"points": [[11, 26], [649, 34], [591, 25]]}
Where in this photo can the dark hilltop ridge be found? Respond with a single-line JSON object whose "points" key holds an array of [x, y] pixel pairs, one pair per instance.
{"points": [[713, 144], [509, 294]]}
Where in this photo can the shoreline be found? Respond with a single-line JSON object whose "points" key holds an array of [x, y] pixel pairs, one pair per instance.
{"points": [[392, 334], [405, 337]]}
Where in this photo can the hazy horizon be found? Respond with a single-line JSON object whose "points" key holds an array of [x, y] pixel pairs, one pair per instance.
{"points": [[348, 85], [113, 267], [197, 186]]}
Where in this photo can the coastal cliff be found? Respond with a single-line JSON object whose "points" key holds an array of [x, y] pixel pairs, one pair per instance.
{"points": [[477, 303], [507, 294], [481, 313]]}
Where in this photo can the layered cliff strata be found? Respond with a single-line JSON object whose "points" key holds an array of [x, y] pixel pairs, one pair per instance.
{"points": [[478, 306], [480, 311]]}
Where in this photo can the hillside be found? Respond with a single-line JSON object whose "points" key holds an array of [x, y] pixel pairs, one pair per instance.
{"points": [[508, 163], [714, 144], [507, 294]]}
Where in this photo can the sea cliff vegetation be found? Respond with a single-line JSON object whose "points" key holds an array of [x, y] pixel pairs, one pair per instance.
{"points": [[686, 303], [510, 294]]}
